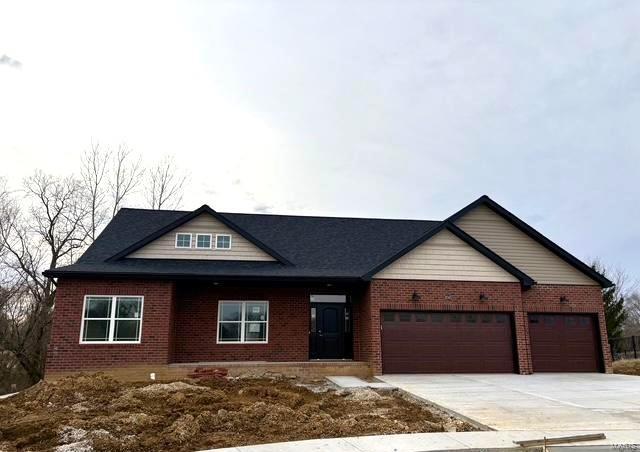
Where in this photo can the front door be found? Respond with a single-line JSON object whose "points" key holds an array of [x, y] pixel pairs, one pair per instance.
{"points": [[327, 331]]}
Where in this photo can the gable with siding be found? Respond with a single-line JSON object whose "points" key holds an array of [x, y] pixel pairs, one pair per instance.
{"points": [[164, 246], [519, 249], [445, 257]]}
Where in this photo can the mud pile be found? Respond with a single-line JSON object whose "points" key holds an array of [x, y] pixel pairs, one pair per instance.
{"points": [[95, 412]]}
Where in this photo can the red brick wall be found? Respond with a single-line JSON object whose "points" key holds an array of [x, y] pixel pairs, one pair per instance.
{"points": [[196, 324], [179, 322], [465, 296], [65, 353]]}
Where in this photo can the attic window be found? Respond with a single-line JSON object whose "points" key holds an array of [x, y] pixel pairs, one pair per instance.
{"points": [[223, 241], [203, 241], [183, 240]]}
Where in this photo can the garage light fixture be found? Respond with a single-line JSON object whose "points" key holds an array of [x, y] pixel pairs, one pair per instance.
{"points": [[563, 299], [484, 297], [415, 297]]}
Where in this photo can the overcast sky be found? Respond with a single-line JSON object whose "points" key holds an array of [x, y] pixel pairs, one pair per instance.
{"points": [[387, 109]]}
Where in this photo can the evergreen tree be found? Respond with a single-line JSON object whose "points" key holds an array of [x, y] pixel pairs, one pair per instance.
{"points": [[614, 308]]}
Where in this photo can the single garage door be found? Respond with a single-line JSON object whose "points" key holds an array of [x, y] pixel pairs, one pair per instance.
{"points": [[451, 342], [564, 343]]}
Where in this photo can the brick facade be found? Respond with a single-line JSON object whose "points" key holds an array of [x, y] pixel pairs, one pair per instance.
{"points": [[180, 319], [196, 324], [65, 353], [392, 294]]}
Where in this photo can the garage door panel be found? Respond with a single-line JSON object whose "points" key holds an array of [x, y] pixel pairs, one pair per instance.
{"points": [[439, 342], [564, 343]]}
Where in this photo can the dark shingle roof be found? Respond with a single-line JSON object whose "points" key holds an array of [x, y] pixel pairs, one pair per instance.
{"points": [[304, 247], [316, 247]]}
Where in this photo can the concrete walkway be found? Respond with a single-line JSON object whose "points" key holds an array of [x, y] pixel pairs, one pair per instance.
{"points": [[423, 442], [588, 401], [355, 382]]}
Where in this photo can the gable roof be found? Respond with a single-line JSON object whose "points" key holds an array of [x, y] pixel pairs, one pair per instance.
{"points": [[203, 210], [524, 279], [316, 247], [305, 247], [535, 235]]}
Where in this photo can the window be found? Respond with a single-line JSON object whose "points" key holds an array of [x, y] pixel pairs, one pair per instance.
{"points": [[183, 240], [421, 316], [111, 319], [389, 316], [223, 241], [243, 321], [405, 316], [203, 241]]}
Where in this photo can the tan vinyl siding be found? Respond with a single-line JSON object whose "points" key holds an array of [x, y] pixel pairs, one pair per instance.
{"points": [[165, 247], [519, 249], [445, 257]]}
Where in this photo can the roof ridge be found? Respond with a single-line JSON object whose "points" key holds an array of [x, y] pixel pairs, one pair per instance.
{"points": [[337, 217], [327, 217]]}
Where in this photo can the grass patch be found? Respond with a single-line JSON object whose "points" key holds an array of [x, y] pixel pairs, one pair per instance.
{"points": [[627, 367]]}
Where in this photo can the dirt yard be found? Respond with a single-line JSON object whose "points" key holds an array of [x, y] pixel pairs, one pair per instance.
{"points": [[95, 412], [627, 366]]}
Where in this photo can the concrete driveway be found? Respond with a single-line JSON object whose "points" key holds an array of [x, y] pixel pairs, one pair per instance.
{"points": [[532, 402]]}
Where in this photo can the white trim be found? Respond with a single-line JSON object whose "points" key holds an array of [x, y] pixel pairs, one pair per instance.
{"points": [[230, 242], [242, 322], [112, 319], [327, 298], [204, 247], [190, 241]]}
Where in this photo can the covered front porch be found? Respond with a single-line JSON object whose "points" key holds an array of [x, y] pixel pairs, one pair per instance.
{"points": [[266, 325]]}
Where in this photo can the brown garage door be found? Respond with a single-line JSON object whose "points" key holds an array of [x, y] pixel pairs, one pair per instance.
{"points": [[564, 343], [452, 342]]}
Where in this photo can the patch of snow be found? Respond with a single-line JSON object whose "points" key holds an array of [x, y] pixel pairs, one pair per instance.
{"points": [[172, 387], [70, 434], [5, 396], [79, 446]]}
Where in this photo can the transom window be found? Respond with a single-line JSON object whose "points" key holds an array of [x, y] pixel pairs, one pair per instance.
{"points": [[183, 240], [223, 241], [243, 322], [111, 319], [203, 241]]}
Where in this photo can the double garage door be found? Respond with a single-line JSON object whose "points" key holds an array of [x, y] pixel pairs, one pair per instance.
{"points": [[464, 342]]}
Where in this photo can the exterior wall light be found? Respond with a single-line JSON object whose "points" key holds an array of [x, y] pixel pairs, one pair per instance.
{"points": [[484, 297], [563, 299], [415, 297]]}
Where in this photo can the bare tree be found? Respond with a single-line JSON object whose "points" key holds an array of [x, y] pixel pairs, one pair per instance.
{"points": [[108, 178], [126, 175], [164, 185], [632, 306], [94, 163], [49, 233]]}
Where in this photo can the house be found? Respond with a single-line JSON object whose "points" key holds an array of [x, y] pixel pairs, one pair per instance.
{"points": [[481, 291]]}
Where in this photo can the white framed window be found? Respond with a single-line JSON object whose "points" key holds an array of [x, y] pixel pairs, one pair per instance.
{"points": [[183, 240], [243, 322], [223, 241], [203, 241], [111, 319]]}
